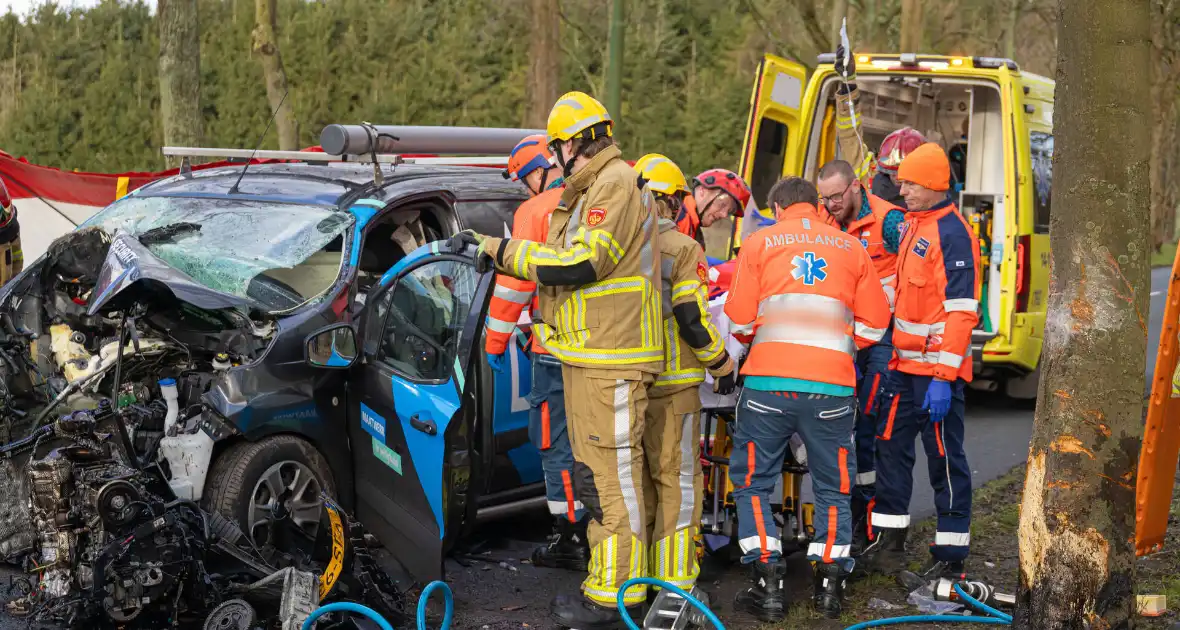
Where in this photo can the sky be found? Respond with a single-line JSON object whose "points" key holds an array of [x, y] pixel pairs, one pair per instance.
{"points": [[23, 7]]}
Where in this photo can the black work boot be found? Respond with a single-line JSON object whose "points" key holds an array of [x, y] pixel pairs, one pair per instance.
{"points": [[953, 570], [567, 547], [764, 599], [829, 589], [578, 613], [885, 555]]}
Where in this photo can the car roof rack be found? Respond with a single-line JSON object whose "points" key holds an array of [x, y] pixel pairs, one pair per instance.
{"points": [[385, 144], [243, 155]]}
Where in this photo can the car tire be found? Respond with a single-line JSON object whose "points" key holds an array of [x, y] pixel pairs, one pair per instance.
{"points": [[236, 476]]}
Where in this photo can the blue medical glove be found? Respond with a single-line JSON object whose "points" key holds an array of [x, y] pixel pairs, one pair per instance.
{"points": [[858, 374], [938, 399], [497, 362]]}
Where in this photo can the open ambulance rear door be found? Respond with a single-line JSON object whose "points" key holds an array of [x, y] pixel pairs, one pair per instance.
{"points": [[774, 140]]}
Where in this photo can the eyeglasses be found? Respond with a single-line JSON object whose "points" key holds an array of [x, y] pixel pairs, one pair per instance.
{"points": [[827, 201]]}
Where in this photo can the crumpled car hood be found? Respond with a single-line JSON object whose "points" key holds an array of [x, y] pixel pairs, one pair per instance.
{"points": [[128, 262]]}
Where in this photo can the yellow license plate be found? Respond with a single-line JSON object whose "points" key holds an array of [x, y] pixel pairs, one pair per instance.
{"points": [[336, 564]]}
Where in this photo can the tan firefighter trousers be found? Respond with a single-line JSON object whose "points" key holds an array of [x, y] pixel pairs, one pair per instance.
{"points": [[674, 488], [605, 411]]}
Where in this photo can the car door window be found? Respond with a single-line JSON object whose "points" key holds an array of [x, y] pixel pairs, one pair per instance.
{"points": [[428, 309]]}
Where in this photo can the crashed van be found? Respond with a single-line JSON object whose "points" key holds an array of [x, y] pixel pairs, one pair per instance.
{"points": [[287, 331]]}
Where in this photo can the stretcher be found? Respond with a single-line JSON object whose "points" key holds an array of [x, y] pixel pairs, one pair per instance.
{"points": [[719, 514]]}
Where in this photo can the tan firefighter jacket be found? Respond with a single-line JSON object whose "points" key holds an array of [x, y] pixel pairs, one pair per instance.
{"points": [[598, 283], [691, 341]]}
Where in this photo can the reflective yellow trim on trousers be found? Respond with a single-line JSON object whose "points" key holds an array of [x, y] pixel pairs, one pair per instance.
{"points": [[606, 575], [674, 559]]}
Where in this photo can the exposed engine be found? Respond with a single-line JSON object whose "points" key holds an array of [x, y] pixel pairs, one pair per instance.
{"points": [[110, 544], [70, 332]]}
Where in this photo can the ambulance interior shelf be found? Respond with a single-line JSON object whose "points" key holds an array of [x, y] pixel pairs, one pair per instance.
{"points": [[962, 116]]}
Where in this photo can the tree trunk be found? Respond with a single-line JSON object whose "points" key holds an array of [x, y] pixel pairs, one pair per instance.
{"points": [[1164, 41], [266, 46], [1010, 29], [911, 26], [180, 72], [839, 12], [1077, 519], [545, 62]]}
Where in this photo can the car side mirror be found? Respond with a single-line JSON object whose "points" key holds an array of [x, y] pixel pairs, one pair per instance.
{"points": [[333, 347]]}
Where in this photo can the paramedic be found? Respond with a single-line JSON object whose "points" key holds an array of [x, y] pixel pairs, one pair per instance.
{"points": [[806, 291], [12, 258], [937, 301], [692, 345], [599, 281], [716, 194], [878, 173], [532, 164], [877, 224]]}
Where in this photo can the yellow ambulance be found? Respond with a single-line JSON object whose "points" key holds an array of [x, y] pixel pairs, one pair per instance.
{"points": [[996, 123]]}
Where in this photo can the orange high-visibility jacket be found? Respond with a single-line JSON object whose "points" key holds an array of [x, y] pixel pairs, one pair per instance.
{"points": [[531, 223], [868, 230], [688, 222], [805, 296], [937, 295]]}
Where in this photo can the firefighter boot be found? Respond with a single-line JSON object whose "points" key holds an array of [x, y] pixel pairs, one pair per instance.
{"points": [[577, 612], [932, 572], [830, 579], [567, 547], [764, 599], [885, 555]]}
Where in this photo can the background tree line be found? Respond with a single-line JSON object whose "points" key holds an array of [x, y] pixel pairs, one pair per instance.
{"points": [[81, 88]]}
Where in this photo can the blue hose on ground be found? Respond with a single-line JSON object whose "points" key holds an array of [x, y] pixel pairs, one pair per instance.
{"points": [[997, 619], [696, 603], [352, 607], [448, 603]]}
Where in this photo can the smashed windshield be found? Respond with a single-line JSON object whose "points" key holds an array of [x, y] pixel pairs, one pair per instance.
{"points": [[278, 254]]}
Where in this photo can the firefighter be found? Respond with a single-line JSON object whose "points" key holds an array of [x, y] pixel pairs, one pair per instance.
{"points": [[532, 164], [877, 224], [716, 194], [599, 285], [806, 291], [877, 173], [692, 345], [13, 261], [937, 302]]}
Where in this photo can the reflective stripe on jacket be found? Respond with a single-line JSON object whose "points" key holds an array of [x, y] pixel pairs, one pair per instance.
{"points": [[597, 273], [937, 295], [806, 296], [684, 281], [512, 295]]}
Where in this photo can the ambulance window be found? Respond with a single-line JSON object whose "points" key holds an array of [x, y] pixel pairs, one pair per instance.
{"points": [[1041, 147], [769, 156]]}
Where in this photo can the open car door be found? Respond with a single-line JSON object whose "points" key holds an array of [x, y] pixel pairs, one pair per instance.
{"points": [[412, 425], [774, 138]]}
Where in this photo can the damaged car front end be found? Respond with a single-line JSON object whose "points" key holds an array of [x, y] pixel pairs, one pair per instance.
{"points": [[129, 354]]}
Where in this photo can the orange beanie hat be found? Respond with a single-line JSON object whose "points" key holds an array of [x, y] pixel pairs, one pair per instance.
{"points": [[926, 166]]}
